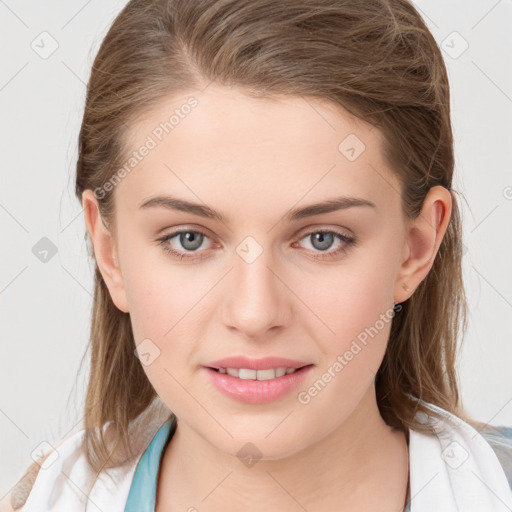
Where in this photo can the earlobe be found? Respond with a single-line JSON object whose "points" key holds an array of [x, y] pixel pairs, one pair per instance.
{"points": [[105, 250], [425, 234]]}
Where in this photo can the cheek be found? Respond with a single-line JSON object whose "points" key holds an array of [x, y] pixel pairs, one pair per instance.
{"points": [[353, 306], [167, 305], [158, 290], [164, 306]]}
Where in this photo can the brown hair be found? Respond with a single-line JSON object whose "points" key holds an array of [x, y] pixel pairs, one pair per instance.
{"points": [[378, 60]]}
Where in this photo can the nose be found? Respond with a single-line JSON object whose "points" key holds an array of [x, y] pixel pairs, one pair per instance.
{"points": [[257, 300]]}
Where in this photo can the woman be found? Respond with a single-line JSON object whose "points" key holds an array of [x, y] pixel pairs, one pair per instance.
{"points": [[267, 189]]}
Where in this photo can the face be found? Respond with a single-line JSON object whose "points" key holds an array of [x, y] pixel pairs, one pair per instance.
{"points": [[257, 279]]}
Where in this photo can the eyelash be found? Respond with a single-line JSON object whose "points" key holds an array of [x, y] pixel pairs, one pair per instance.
{"points": [[348, 241]]}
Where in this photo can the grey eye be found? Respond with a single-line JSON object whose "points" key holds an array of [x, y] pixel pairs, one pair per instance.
{"points": [[190, 240], [322, 241]]}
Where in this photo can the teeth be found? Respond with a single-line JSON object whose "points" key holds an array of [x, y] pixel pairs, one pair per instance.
{"points": [[248, 374]]}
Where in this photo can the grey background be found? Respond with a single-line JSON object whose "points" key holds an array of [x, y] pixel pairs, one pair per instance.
{"points": [[45, 307]]}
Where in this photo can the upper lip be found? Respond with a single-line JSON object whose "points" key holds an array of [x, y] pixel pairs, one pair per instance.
{"points": [[264, 363]]}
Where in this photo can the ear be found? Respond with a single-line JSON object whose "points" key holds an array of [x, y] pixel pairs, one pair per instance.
{"points": [[424, 236], [105, 250]]}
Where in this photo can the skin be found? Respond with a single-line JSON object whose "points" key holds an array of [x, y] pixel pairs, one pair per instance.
{"points": [[253, 160]]}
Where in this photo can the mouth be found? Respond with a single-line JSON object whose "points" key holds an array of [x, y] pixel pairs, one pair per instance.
{"points": [[262, 374], [258, 386]]}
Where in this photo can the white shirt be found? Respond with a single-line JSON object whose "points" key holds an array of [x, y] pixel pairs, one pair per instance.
{"points": [[453, 469]]}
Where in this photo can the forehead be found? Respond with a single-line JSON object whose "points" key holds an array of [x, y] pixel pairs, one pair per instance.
{"points": [[231, 147]]}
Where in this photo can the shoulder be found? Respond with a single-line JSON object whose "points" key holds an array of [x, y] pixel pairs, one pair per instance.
{"points": [[500, 439], [497, 437], [46, 469], [67, 462]]}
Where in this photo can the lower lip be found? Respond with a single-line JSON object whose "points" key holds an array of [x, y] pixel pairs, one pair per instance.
{"points": [[257, 391]]}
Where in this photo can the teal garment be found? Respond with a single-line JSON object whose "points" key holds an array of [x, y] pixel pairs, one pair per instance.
{"points": [[142, 494]]}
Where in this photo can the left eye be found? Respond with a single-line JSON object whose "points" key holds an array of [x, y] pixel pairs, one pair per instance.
{"points": [[192, 240], [322, 240]]}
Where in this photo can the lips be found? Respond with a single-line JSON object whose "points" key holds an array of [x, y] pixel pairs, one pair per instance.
{"points": [[257, 391]]}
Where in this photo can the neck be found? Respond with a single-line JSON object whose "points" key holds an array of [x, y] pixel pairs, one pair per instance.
{"points": [[363, 464]]}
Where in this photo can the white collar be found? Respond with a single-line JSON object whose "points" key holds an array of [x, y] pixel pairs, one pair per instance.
{"points": [[455, 469]]}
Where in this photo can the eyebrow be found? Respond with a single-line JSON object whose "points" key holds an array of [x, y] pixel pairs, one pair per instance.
{"points": [[331, 205]]}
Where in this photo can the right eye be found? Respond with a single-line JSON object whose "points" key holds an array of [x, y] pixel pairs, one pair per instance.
{"points": [[189, 239]]}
